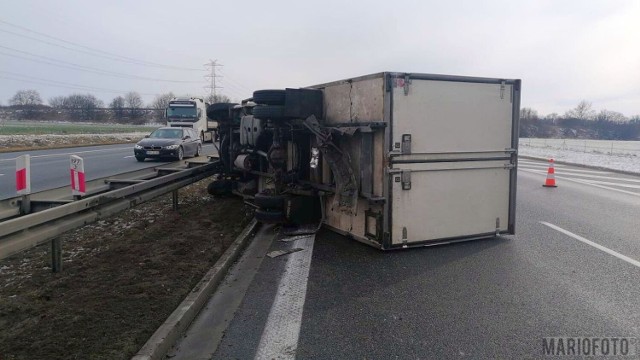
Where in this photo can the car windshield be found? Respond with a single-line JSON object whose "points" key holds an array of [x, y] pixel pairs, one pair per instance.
{"points": [[167, 134], [182, 112]]}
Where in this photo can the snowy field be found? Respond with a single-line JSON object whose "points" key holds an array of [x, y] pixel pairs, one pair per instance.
{"points": [[616, 155]]}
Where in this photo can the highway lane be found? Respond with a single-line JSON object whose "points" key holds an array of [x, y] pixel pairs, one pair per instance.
{"points": [[494, 298], [50, 168]]}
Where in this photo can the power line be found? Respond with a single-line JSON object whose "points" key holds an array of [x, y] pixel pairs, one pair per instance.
{"points": [[238, 84], [92, 51], [54, 83], [79, 67]]}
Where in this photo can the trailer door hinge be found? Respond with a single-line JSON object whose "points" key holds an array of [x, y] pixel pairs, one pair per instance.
{"points": [[406, 144], [406, 179], [502, 87], [407, 82]]}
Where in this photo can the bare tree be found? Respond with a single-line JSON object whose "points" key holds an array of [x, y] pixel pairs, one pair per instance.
{"points": [[118, 107], [134, 103], [583, 111], [212, 99], [528, 114], [57, 102], [612, 116], [162, 101], [26, 98], [27, 102], [82, 106]]}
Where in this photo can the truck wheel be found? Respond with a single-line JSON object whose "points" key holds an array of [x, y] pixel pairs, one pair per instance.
{"points": [[269, 201], [274, 112], [220, 111], [270, 216], [202, 137], [269, 97]]}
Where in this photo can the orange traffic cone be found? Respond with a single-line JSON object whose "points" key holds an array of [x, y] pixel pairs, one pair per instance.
{"points": [[551, 176]]}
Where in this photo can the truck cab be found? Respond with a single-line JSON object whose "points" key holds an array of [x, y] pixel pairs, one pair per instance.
{"points": [[190, 112]]}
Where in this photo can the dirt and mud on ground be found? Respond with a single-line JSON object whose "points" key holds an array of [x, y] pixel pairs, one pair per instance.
{"points": [[121, 278]]}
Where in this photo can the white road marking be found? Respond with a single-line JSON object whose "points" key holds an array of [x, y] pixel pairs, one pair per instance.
{"points": [[130, 156], [280, 335], [595, 245], [1, 174], [566, 172], [630, 186], [586, 183], [71, 153], [537, 163], [531, 166]]}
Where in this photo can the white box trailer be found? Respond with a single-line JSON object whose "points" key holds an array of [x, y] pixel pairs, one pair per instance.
{"points": [[435, 157]]}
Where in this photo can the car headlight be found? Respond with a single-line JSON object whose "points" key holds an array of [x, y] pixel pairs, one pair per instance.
{"points": [[172, 147], [137, 147]]}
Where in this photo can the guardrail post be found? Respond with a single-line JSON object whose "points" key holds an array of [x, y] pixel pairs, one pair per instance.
{"points": [[174, 194], [56, 255], [25, 204]]}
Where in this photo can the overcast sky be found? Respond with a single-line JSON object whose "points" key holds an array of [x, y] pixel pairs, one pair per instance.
{"points": [[564, 51]]}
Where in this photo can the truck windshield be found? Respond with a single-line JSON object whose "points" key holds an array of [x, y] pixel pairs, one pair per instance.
{"points": [[182, 112]]}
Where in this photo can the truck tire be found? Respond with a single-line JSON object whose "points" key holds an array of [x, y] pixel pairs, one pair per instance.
{"points": [[269, 97], [274, 112], [220, 111], [270, 216], [269, 201]]}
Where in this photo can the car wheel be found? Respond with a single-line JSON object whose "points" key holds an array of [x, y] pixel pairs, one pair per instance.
{"points": [[270, 216], [180, 155], [274, 112], [198, 150], [269, 201], [140, 158], [269, 97]]}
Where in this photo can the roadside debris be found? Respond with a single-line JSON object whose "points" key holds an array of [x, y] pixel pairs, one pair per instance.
{"points": [[277, 253]]}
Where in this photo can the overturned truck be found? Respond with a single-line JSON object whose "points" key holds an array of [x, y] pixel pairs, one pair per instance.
{"points": [[391, 159]]}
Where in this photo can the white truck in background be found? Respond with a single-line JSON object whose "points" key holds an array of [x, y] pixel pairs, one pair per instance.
{"points": [[190, 112]]}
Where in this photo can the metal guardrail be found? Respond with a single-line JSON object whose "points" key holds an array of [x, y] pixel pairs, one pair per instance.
{"points": [[23, 232]]}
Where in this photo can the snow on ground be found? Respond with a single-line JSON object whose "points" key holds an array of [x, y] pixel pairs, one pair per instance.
{"points": [[627, 162], [44, 141]]}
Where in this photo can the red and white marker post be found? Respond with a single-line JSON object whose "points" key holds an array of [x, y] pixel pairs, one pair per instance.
{"points": [[23, 175], [23, 182], [78, 184]]}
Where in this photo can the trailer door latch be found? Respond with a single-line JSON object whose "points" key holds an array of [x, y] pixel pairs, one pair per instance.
{"points": [[406, 179], [406, 144]]}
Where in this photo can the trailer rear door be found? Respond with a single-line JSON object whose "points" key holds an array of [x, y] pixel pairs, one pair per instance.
{"points": [[453, 159]]}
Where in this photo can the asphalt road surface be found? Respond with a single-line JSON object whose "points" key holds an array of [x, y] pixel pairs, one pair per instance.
{"points": [[572, 270], [50, 168]]}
